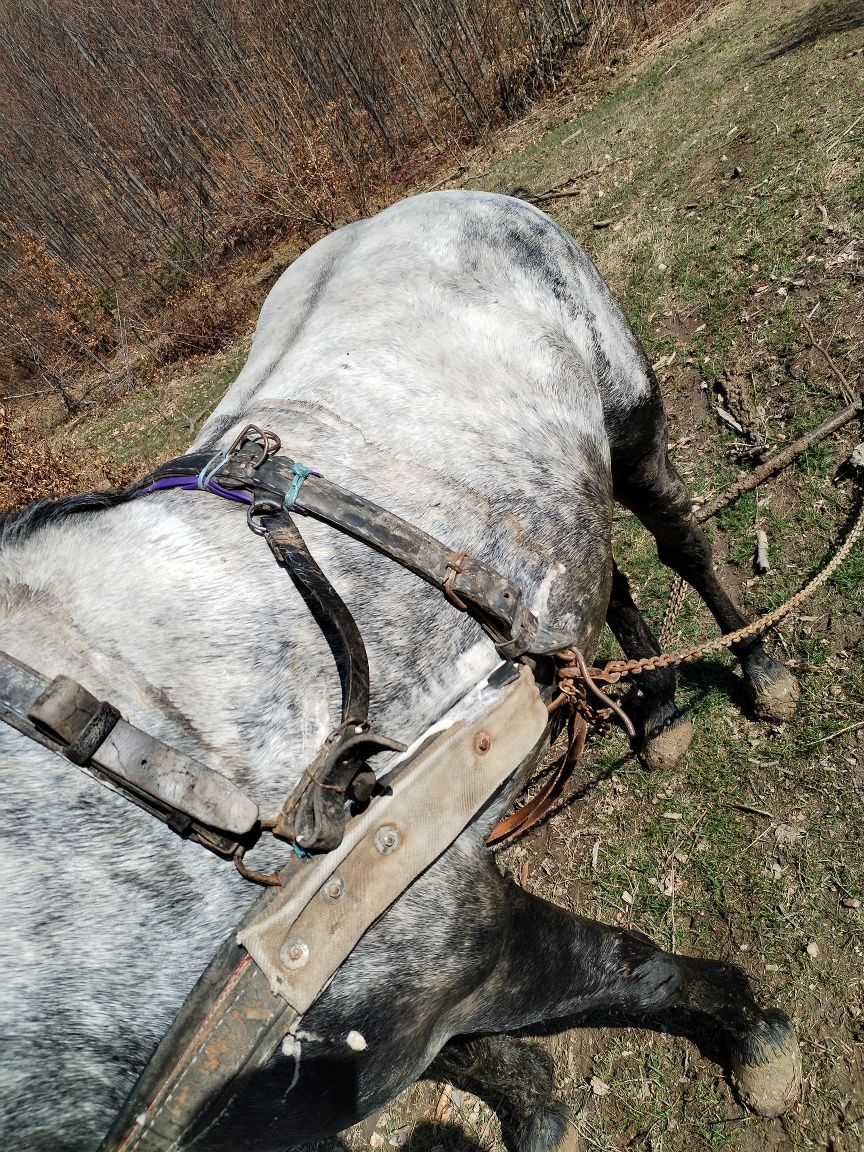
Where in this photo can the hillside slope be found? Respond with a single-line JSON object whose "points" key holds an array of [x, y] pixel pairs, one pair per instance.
{"points": [[716, 178]]}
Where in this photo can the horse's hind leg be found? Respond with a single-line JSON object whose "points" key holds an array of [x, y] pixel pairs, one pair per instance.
{"points": [[663, 733], [651, 488], [516, 1079], [555, 964]]}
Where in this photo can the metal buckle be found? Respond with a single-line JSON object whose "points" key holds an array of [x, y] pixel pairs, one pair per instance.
{"points": [[267, 443]]}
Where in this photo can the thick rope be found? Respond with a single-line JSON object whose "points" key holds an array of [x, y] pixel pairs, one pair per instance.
{"points": [[615, 670], [769, 467], [670, 616]]}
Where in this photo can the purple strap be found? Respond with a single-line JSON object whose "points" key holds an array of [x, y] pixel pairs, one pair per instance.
{"points": [[190, 484]]}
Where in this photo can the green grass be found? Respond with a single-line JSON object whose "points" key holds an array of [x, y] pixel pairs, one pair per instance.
{"points": [[154, 423]]}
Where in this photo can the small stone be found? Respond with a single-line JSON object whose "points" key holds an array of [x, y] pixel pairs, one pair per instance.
{"points": [[626, 897], [376, 1140], [671, 815], [813, 950], [850, 902], [599, 1087]]}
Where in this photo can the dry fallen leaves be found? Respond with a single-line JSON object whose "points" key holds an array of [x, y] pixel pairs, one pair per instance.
{"points": [[785, 834], [30, 470]]}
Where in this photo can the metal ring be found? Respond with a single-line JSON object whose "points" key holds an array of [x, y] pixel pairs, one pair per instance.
{"points": [[261, 508]]}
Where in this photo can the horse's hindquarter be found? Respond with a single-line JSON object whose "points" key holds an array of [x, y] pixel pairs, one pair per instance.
{"points": [[460, 361]]}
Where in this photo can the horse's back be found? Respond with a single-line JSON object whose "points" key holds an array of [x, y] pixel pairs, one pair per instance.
{"points": [[468, 309]]}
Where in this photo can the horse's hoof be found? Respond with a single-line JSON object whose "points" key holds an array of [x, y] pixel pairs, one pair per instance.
{"points": [[664, 749], [766, 1071], [774, 699]]}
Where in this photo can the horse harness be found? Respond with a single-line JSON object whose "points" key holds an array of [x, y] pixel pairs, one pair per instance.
{"points": [[356, 846]]}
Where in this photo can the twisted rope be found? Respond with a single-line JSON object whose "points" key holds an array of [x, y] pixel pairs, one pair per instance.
{"points": [[615, 670], [670, 616]]}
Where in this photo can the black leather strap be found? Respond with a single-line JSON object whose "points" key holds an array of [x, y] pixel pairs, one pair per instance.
{"points": [[493, 600]]}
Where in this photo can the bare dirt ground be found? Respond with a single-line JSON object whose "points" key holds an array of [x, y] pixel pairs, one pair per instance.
{"points": [[715, 175]]}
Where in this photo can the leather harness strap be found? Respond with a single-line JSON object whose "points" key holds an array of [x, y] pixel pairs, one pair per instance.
{"points": [[314, 815], [270, 484], [195, 801], [533, 812], [298, 936]]}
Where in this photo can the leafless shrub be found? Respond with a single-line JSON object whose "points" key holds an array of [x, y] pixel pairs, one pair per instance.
{"points": [[140, 142]]}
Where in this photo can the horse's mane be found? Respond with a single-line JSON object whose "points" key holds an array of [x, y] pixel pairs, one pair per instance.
{"points": [[16, 527]]}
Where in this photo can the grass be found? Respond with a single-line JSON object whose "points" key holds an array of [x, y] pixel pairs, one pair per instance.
{"points": [[155, 422]]}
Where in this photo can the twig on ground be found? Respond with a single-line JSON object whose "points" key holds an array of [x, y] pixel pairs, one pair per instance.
{"points": [[673, 948], [750, 808], [24, 395], [556, 193], [837, 139], [450, 176], [845, 386], [839, 732], [776, 462], [762, 564]]}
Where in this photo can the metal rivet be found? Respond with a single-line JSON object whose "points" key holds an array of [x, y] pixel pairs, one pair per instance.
{"points": [[482, 743], [334, 889], [294, 953], [386, 838]]}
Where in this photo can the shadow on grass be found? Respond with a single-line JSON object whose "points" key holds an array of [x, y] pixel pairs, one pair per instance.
{"points": [[828, 18], [705, 1034], [704, 677]]}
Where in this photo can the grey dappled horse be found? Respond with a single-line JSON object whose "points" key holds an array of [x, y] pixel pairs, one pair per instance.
{"points": [[458, 360]]}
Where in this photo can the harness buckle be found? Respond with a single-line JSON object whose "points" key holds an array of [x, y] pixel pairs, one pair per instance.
{"points": [[267, 443], [315, 815]]}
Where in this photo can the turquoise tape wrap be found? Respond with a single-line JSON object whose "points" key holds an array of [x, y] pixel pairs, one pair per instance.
{"points": [[300, 474]]}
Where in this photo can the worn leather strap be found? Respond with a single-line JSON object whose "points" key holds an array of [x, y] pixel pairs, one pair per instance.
{"points": [[314, 815], [530, 814], [62, 715], [298, 936], [489, 597]]}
